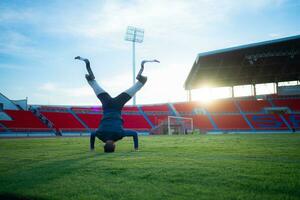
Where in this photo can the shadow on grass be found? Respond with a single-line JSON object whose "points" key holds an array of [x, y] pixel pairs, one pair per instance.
{"points": [[10, 196]]}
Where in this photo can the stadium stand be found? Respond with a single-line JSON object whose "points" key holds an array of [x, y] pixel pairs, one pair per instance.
{"points": [[267, 122], [53, 108], [157, 119], [201, 122], [155, 108], [23, 121], [293, 120], [87, 109], [63, 121], [262, 62], [293, 104], [224, 106], [136, 122], [91, 120], [225, 116], [253, 105], [130, 109], [231, 122], [186, 107]]}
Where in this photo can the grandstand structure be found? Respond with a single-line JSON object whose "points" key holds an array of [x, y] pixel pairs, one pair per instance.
{"points": [[271, 61]]}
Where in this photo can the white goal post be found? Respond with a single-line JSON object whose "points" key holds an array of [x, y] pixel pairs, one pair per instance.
{"points": [[180, 125]]}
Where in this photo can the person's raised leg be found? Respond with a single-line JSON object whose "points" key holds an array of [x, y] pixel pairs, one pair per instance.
{"points": [[102, 95], [125, 96]]}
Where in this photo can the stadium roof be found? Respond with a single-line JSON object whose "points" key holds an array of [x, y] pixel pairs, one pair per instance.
{"points": [[264, 62]]}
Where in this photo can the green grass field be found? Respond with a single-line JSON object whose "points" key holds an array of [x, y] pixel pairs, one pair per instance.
{"points": [[167, 167]]}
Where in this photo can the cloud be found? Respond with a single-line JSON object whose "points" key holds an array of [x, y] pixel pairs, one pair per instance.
{"points": [[275, 35], [48, 87], [106, 19], [66, 91]]}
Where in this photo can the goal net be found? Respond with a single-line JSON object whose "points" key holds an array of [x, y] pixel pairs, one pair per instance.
{"points": [[179, 125]]}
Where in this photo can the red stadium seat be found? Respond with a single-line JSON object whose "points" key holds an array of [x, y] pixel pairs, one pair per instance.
{"points": [[186, 106], [155, 108], [221, 106], [230, 122], [91, 120], [253, 105], [293, 120], [87, 109], [157, 119], [136, 122], [23, 120], [293, 104], [267, 122], [62, 120], [130, 109], [201, 122]]}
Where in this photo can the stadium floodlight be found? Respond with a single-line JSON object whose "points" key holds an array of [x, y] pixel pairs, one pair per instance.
{"points": [[134, 35]]}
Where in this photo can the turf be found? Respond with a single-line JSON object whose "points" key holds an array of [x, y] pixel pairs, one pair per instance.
{"points": [[167, 167]]}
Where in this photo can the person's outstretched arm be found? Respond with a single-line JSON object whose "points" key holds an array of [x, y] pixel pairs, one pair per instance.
{"points": [[92, 140], [131, 133]]}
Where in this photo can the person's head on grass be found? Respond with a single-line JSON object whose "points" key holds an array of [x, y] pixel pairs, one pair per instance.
{"points": [[109, 146]]}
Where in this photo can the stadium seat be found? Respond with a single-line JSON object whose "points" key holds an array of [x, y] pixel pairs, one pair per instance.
{"points": [[63, 120], [293, 104], [186, 107], [130, 109], [136, 122], [87, 109], [221, 106], [267, 122], [293, 120], [155, 108], [157, 119], [230, 122], [91, 120], [253, 105], [201, 122], [23, 120], [53, 108]]}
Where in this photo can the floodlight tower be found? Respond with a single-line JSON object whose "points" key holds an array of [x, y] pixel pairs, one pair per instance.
{"points": [[134, 35]]}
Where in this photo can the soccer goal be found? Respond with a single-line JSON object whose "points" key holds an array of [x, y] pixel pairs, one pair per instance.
{"points": [[179, 125]]}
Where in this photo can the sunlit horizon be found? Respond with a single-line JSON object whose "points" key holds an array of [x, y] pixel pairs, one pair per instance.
{"points": [[208, 94]]}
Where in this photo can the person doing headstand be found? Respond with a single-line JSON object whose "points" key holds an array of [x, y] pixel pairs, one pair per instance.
{"points": [[111, 126]]}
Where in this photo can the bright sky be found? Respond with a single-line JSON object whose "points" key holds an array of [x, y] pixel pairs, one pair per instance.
{"points": [[39, 40]]}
